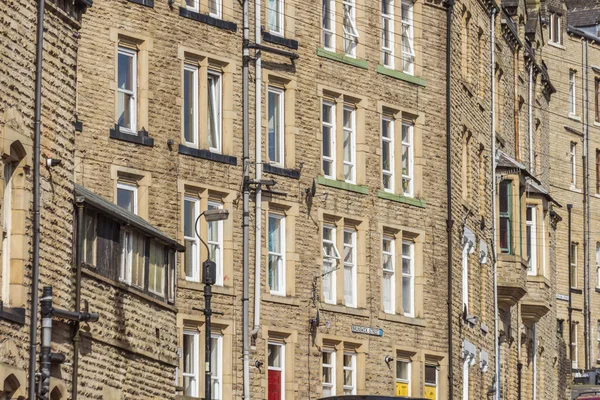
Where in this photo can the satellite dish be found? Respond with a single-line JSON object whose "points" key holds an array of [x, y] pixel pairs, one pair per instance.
{"points": [[313, 189]]}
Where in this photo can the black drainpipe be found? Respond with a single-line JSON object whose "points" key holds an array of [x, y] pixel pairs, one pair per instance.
{"points": [[35, 273], [449, 221], [569, 207], [78, 261]]}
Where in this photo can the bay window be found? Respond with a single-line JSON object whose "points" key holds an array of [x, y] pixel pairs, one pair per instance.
{"points": [[531, 233]]}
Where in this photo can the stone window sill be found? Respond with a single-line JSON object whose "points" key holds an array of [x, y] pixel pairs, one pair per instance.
{"points": [[289, 172], [364, 64], [357, 312], [270, 38], [575, 117], [576, 291], [342, 185], [207, 155], [287, 300], [557, 45], [402, 319], [400, 75], [401, 199], [207, 19], [199, 287], [146, 3], [141, 137]]}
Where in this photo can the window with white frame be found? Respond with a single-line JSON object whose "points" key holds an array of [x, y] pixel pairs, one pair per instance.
{"points": [[597, 341], [349, 373], [465, 274], [389, 274], [598, 264], [387, 33], [555, 30], [215, 138], [191, 211], [276, 125], [276, 371], [214, 8], [157, 269], [190, 104], [127, 196], [574, 355], [276, 249], [329, 132], [408, 49], [572, 92], [275, 13], [215, 242], [191, 372], [328, 377], [89, 237], [408, 277], [127, 90], [349, 144], [192, 5], [531, 233], [350, 267], [573, 266], [573, 161], [133, 250], [431, 382], [387, 152], [403, 377], [328, 24], [349, 25], [7, 215], [331, 257], [407, 159], [216, 366]]}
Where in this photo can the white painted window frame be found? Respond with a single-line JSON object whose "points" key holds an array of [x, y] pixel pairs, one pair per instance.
{"points": [[575, 347], [279, 255], [387, 31], [7, 213], [530, 224], [218, 244], [215, 80], [219, 9], [409, 371], [465, 275], [573, 160], [280, 128], [434, 385], [279, 16], [350, 294], [573, 266], [133, 92], [195, 277], [390, 307], [126, 255], [598, 264], [328, 15], [409, 313], [331, 159], [330, 385], [195, 375], [332, 260], [350, 390], [388, 141], [351, 131], [408, 142], [194, 7], [130, 188], [408, 26], [216, 374], [195, 108], [466, 366], [349, 27], [572, 92]]}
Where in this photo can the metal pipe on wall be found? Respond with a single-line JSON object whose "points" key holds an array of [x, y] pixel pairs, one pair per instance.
{"points": [[78, 261], [258, 168], [569, 255], [35, 273], [245, 202], [530, 112], [449, 221], [494, 183], [588, 212]]}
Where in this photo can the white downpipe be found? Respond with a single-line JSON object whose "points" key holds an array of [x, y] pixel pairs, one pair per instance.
{"points": [[494, 183], [258, 169], [534, 362], [530, 111]]}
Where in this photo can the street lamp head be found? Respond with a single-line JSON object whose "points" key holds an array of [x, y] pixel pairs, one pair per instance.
{"points": [[216, 214]]}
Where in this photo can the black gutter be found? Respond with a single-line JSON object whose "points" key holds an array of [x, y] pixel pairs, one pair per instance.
{"points": [[78, 262], [449, 221], [35, 273], [578, 32]]}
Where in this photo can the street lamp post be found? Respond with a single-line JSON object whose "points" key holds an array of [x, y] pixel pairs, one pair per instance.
{"points": [[209, 277]]}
